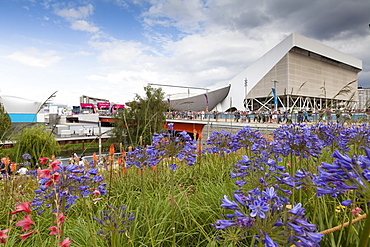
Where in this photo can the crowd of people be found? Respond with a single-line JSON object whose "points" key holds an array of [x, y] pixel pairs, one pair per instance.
{"points": [[268, 116]]}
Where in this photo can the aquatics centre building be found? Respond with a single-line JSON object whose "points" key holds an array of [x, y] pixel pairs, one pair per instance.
{"points": [[298, 73]]}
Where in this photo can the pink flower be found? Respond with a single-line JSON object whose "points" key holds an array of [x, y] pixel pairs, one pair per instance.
{"points": [[96, 192], [26, 223], [48, 183], [44, 173], [54, 230], [24, 206], [66, 242], [56, 177], [60, 218], [55, 165], [3, 236], [26, 235], [355, 211], [96, 200], [43, 160]]}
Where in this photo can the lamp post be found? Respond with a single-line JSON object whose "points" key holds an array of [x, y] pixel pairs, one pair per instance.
{"points": [[245, 94], [275, 96]]}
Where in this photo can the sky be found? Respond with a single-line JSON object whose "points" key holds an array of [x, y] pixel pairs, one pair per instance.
{"points": [[112, 49]]}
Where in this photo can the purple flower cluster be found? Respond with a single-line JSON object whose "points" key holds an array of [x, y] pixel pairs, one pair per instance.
{"points": [[27, 158], [175, 145], [345, 174], [220, 143], [64, 184], [256, 209], [332, 136], [357, 136], [141, 157], [115, 220], [248, 139], [298, 140]]}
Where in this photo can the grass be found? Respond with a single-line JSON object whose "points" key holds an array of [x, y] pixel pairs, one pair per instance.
{"points": [[171, 208]]}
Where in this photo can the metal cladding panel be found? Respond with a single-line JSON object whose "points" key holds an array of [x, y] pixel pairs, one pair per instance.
{"points": [[324, 50]]}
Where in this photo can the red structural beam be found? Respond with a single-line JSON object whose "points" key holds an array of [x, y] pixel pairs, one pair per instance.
{"points": [[188, 127]]}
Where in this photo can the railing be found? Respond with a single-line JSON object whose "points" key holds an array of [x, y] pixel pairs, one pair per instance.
{"points": [[271, 117]]}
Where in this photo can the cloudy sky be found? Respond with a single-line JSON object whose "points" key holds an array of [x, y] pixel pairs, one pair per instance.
{"points": [[111, 49]]}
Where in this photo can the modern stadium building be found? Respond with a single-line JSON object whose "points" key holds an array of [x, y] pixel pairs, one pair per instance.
{"points": [[297, 73]]}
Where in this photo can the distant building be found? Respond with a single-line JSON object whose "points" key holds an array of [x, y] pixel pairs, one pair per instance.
{"points": [[22, 110], [304, 74], [363, 98], [297, 73]]}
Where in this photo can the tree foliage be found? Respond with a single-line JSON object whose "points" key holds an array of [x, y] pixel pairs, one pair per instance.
{"points": [[145, 116], [36, 141], [5, 123]]}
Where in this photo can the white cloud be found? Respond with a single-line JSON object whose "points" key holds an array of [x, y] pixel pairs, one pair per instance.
{"points": [[35, 58], [82, 53], [120, 52], [72, 13], [82, 25], [184, 14], [77, 17]]}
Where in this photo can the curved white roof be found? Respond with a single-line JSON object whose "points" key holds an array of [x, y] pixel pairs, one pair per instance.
{"points": [[255, 72], [13, 104]]}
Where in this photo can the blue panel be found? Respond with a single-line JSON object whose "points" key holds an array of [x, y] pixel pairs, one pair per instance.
{"points": [[23, 118]]}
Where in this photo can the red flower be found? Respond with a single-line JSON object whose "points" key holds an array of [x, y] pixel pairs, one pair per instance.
{"points": [[96, 200], [26, 223], [65, 243], [26, 235], [24, 206], [56, 177], [48, 183], [96, 192], [3, 236], [43, 160], [44, 173], [54, 165], [60, 217], [54, 230]]}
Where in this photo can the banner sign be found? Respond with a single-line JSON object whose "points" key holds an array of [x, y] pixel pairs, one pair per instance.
{"points": [[90, 106], [118, 106], [275, 98], [104, 105]]}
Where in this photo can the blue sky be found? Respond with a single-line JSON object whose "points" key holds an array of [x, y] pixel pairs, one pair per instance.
{"points": [[111, 49]]}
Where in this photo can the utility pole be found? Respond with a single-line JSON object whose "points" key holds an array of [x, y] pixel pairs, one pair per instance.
{"points": [[246, 107]]}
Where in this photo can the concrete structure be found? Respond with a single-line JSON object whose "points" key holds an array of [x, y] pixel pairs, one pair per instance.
{"points": [[304, 73]]}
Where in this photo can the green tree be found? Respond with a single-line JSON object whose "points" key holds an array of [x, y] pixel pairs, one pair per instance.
{"points": [[36, 141], [145, 116], [5, 123]]}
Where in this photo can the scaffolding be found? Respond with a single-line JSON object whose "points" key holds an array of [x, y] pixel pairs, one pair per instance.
{"points": [[297, 102]]}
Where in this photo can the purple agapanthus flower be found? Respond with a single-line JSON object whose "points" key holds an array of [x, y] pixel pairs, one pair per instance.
{"points": [[258, 208], [66, 184]]}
